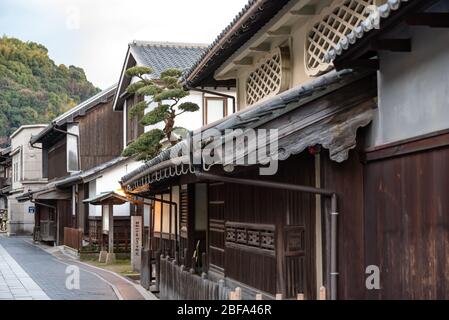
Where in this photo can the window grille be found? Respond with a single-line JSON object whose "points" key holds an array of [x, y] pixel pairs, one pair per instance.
{"points": [[269, 77], [331, 27]]}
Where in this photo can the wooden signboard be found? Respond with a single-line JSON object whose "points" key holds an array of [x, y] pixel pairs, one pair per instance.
{"points": [[136, 242]]}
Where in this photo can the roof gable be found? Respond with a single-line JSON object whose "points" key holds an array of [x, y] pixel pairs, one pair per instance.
{"points": [[159, 56]]}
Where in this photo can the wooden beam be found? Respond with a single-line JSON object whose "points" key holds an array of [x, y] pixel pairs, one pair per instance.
{"points": [[395, 45], [305, 11], [429, 19], [281, 32], [244, 62], [368, 64], [263, 47]]}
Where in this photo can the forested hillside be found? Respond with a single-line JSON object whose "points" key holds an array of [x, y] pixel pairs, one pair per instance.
{"points": [[33, 89]]}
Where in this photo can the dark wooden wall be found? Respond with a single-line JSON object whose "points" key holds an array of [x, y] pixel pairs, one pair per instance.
{"points": [[394, 214], [133, 127], [64, 218], [101, 135], [57, 160], [407, 218], [347, 180], [290, 213]]}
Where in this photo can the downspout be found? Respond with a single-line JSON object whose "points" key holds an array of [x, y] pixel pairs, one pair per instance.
{"points": [[333, 272], [333, 253]]}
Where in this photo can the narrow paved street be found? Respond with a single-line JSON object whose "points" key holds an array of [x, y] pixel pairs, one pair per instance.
{"points": [[28, 272]]}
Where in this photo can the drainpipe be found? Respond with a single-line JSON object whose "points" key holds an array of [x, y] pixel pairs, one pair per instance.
{"points": [[333, 272], [334, 267]]}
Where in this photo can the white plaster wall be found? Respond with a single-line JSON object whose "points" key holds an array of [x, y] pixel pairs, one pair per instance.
{"points": [[413, 89], [32, 157], [109, 181], [192, 120], [19, 220]]}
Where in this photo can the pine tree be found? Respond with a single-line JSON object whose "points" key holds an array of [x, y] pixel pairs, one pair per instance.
{"points": [[167, 92]]}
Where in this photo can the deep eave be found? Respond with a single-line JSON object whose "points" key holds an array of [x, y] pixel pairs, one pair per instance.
{"points": [[269, 110], [49, 135], [359, 43], [246, 24]]}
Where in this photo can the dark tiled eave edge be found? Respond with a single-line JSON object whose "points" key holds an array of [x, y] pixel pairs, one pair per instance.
{"points": [[68, 181], [379, 21], [258, 114], [76, 111], [248, 21]]}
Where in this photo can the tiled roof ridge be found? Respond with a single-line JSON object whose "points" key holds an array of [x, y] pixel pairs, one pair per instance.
{"points": [[370, 23], [224, 32], [169, 44]]}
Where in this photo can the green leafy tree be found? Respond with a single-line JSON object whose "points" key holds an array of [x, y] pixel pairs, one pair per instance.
{"points": [[33, 88], [167, 92]]}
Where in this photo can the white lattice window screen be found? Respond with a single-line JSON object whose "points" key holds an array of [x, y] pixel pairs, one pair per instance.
{"points": [[266, 79], [330, 29]]}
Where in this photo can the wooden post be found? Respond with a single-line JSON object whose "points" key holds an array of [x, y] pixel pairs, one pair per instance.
{"points": [[158, 269], [300, 296], [111, 229], [322, 293], [259, 296], [278, 296], [203, 262]]}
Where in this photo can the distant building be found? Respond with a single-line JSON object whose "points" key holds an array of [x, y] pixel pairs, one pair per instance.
{"points": [[215, 101], [26, 175], [5, 184]]}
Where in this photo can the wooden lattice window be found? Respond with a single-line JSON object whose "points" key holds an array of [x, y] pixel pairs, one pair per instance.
{"points": [[335, 23], [250, 236], [270, 76]]}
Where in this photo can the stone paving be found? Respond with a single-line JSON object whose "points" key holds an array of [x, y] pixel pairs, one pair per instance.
{"points": [[15, 283], [28, 272]]}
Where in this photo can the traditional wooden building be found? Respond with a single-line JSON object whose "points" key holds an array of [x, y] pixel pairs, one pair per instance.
{"points": [[214, 101], [82, 139], [357, 94]]}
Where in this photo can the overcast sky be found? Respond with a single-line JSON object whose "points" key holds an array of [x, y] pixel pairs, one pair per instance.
{"points": [[93, 34]]}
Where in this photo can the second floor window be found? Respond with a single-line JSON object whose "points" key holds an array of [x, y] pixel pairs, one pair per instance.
{"points": [[73, 148], [214, 109], [16, 167]]}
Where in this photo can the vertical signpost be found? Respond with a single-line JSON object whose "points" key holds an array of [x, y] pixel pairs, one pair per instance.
{"points": [[136, 242]]}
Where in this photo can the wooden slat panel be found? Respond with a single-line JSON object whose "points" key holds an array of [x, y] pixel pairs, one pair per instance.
{"points": [[101, 135], [406, 211]]}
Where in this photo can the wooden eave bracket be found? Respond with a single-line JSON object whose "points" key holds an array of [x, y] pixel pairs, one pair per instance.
{"points": [[248, 61], [263, 47], [366, 64], [281, 32], [394, 45], [429, 19], [305, 11]]}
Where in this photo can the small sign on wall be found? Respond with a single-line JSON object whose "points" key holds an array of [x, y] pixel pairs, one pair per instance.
{"points": [[136, 242], [31, 210]]}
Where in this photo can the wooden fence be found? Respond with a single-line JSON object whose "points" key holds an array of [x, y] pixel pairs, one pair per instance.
{"points": [[122, 233], [73, 238], [178, 283]]}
